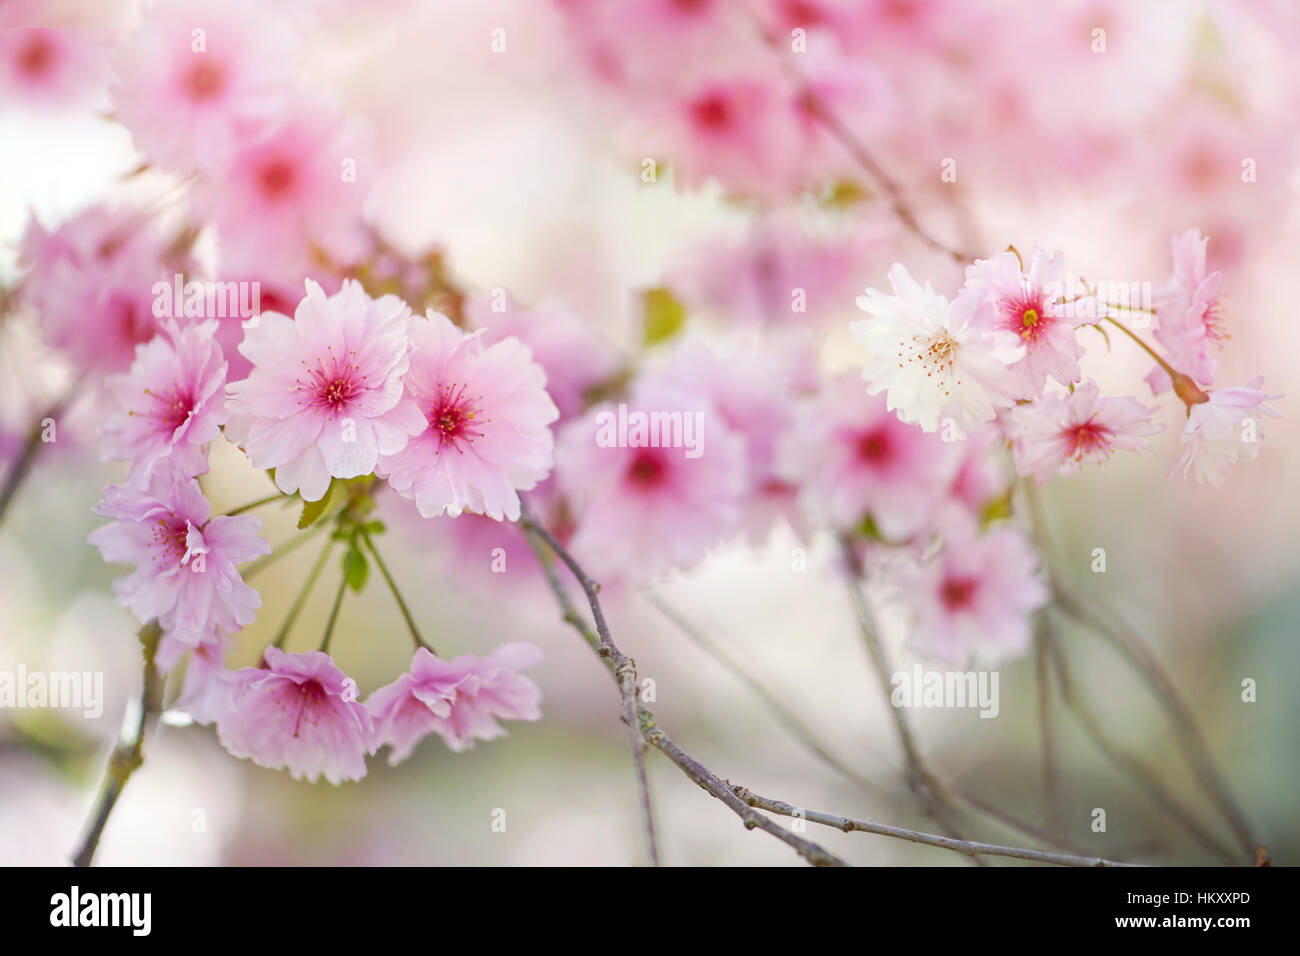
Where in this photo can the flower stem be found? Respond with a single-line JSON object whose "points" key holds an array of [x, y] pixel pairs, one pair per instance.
{"points": [[397, 595], [334, 614], [266, 560], [255, 504], [301, 599], [1185, 386]]}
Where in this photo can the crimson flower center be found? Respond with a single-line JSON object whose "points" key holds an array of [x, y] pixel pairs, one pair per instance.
{"points": [[646, 469], [712, 111], [276, 178], [454, 418], [37, 56], [874, 447], [957, 593], [332, 388], [171, 408], [1026, 315]]}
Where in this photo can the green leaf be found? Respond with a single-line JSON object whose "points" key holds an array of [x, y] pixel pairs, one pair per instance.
{"points": [[664, 315], [375, 527], [356, 567], [313, 511], [998, 509]]}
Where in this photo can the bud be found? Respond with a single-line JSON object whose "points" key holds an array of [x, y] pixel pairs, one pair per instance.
{"points": [[1186, 389]]}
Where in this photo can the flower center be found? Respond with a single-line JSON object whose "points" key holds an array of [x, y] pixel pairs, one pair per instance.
{"points": [[934, 354], [712, 111], [957, 593], [276, 178], [646, 469], [454, 418], [37, 56], [205, 81], [874, 447], [332, 388], [1026, 315], [171, 408], [1087, 439], [169, 542]]}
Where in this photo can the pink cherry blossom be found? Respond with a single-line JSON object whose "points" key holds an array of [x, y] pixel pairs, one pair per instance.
{"points": [[754, 392], [777, 272], [1187, 315], [934, 358], [172, 402], [197, 75], [1225, 429], [737, 129], [324, 399], [90, 282], [1059, 432], [185, 573], [204, 692], [641, 509], [1026, 304], [483, 435], [973, 598], [47, 67], [460, 699], [574, 357], [283, 197], [299, 711], [852, 459]]}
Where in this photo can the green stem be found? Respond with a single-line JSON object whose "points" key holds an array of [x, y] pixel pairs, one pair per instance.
{"points": [[1169, 369], [301, 599], [397, 595], [266, 560], [334, 615], [255, 504]]}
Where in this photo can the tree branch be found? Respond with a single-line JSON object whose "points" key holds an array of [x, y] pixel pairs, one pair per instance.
{"points": [[965, 847], [128, 755], [919, 778], [622, 666]]}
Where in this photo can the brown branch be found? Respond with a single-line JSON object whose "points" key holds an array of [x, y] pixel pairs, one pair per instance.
{"points": [[1131, 647], [967, 848], [128, 755], [622, 666], [919, 778], [643, 720], [1141, 772]]}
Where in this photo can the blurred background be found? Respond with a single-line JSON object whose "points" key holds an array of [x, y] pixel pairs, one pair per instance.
{"points": [[526, 172]]}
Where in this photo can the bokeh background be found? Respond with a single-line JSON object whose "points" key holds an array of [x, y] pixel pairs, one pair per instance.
{"points": [[525, 172]]}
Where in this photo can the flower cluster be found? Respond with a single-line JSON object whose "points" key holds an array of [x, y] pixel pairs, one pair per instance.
{"points": [[391, 386]]}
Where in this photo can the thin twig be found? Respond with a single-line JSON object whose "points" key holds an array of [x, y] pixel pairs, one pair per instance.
{"points": [[967, 848], [919, 778], [1047, 749], [20, 469], [770, 700], [1130, 763], [822, 752], [623, 667], [1131, 647], [128, 755], [1188, 735]]}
